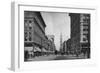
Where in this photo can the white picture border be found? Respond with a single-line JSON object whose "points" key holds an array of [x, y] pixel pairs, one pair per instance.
{"points": [[17, 60]]}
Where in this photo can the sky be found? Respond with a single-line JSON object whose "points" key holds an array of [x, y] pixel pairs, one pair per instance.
{"points": [[57, 24]]}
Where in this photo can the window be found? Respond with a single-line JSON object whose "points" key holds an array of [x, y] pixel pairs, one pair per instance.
{"points": [[26, 36], [30, 24], [30, 36], [85, 29], [25, 25], [85, 38]]}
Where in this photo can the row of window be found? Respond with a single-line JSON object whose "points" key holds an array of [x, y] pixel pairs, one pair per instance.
{"points": [[28, 24], [84, 38], [28, 36]]}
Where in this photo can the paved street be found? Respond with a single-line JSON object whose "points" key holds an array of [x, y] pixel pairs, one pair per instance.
{"points": [[69, 57], [56, 57]]}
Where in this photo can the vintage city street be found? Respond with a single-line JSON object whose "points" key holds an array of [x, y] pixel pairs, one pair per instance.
{"points": [[56, 36]]}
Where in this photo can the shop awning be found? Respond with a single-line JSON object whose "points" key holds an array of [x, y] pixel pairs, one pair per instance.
{"points": [[37, 49], [28, 48], [44, 50]]}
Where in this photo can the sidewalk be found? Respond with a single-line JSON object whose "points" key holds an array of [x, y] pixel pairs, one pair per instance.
{"points": [[43, 58], [76, 57]]}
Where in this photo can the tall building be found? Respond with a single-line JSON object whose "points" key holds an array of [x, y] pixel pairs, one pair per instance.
{"points": [[85, 33], [34, 33], [75, 32], [80, 33]]}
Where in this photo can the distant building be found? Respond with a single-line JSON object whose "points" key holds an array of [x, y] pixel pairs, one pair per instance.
{"points": [[51, 37], [64, 49], [61, 44], [67, 46], [80, 33], [51, 44], [34, 32]]}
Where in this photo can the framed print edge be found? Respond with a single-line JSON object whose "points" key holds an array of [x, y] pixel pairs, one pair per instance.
{"points": [[17, 62], [14, 37]]}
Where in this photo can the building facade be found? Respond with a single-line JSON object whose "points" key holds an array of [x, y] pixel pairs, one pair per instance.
{"points": [[80, 33], [34, 34], [51, 44], [61, 44], [75, 32], [67, 46], [85, 33]]}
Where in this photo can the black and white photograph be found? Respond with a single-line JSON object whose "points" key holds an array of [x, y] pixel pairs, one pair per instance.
{"points": [[56, 36]]}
